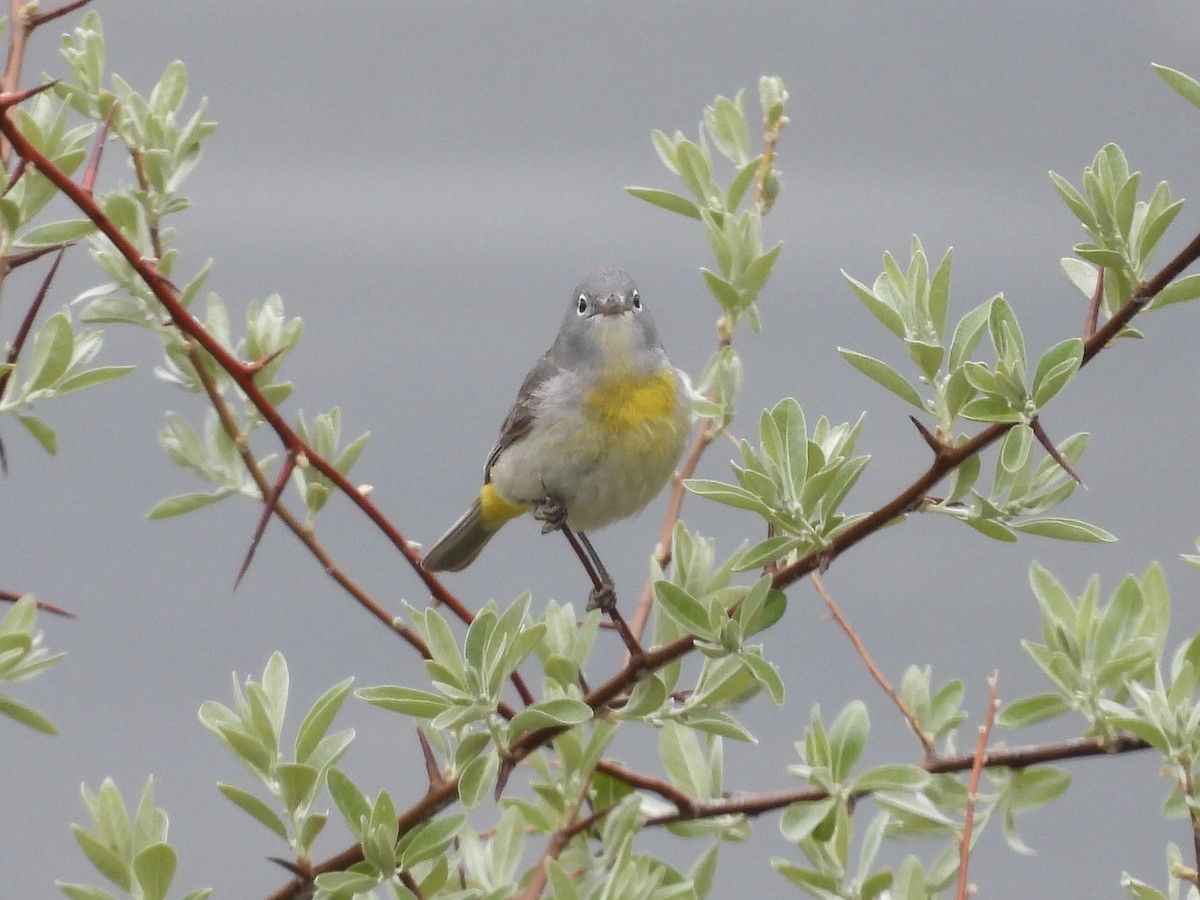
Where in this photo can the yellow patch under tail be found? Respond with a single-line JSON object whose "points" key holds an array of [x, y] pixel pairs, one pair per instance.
{"points": [[495, 509]]}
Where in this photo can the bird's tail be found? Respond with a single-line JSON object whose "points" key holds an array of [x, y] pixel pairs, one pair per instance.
{"points": [[459, 546]]}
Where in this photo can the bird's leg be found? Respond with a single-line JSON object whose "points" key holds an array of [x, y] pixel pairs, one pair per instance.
{"points": [[604, 594], [552, 513]]}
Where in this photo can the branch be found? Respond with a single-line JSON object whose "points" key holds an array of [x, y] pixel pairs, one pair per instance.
{"points": [[554, 847], [13, 597], [947, 459], [922, 735], [241, 373], [964, 847], [1012, 759]]}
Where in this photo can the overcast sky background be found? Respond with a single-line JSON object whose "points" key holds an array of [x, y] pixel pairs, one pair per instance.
{"points": [[424, 184]]}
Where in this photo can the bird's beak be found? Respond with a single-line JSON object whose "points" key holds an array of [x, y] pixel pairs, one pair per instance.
{"points": [[614, 305]]}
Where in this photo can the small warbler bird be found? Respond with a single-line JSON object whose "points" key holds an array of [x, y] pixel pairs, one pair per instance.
{"points": [[597, 428]]}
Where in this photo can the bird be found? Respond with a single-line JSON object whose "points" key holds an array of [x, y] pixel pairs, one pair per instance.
{"points": [[594, 435]]}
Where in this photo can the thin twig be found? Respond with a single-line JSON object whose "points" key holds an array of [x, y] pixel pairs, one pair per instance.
{"points": [[952, 457], [148, 271], [270, 504], [618, 684], [985, 731], [922, 735], [705, 435], [554, 848], [18, 343], [13, 597]]}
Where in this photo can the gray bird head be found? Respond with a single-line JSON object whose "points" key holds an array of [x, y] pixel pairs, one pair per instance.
{"points": [[602, 297]]}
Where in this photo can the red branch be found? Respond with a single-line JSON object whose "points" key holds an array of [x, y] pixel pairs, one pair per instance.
{"points": [[964, 847]]}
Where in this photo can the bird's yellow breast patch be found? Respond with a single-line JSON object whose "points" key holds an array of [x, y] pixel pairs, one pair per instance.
{"points": [[622, 401]]}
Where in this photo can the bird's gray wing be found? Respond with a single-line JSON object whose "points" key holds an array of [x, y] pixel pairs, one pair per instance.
{"points": [[521, 417]]}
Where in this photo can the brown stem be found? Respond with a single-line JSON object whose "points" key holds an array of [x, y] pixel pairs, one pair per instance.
{"points": [[554, 848], [952, 457], [148, 271], [270, 504], [964, 847], [13, 597], [922, 735]]}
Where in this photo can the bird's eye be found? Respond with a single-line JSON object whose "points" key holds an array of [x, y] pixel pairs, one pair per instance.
{"points": [[583, 304], [637, 299]]}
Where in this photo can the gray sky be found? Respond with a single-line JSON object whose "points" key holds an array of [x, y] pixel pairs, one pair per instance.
{"points": [[424, 183]]}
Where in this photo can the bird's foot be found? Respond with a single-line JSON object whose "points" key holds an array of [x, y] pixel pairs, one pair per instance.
{"points": [[551, 512], [603, 598]]}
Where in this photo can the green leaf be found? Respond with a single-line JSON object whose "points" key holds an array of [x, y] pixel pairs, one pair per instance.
{"points": [[90, 378], [430, 840], [799, 820], [478, 779], [729, 494], [727, 295], [883, 374], [154, 869], [991, 408], [665, 148], [316, 723], [409, 701], [758, 270], [740, 182], [1178, 291], [666, 200], [684, 760], [879, 308], [1075, 201], [1081, 274], [683, 608], [766, 675], [993, 529], [847, 739], [51, 353], [350, 801], [1065, 530], [255, 807], [83, 891], [26, 715], [894, 777], [56, 233], [1014, 449], [185, 503], [562, 711], [1037, 786], [105, 861], [1029, 710], [41, 431], [1185, 86]]}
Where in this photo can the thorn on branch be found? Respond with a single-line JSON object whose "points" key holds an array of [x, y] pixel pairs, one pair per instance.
{"points": [[935, 443], [253, 368], [1044, 439], [9, 99], [303, 871], [432, 772], [22, 167], [26, 326], [16, 260], [269, 506], [88, 183], [32, 22]]}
